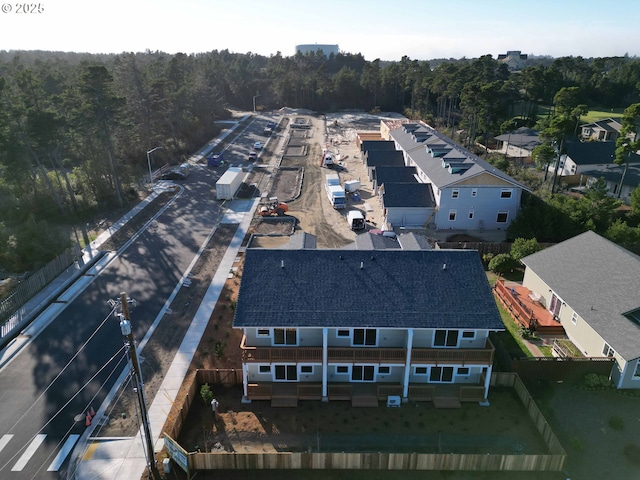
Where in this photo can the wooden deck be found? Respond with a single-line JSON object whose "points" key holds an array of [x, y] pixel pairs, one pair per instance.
{"points": [[528, 312]]}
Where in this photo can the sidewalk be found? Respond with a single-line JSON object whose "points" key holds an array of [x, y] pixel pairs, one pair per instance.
{"points": [[124, 458]]}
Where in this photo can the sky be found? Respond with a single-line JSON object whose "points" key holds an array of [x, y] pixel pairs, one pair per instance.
{"points": [[388, 30]]}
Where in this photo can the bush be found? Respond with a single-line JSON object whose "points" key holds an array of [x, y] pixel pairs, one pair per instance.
{"points": [[219, 348], [632, 453], [616, 422], [502, 263], [593, 381], [206, 393]]}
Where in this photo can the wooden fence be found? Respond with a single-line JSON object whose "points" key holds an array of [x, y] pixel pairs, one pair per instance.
{"points": [[554, 460], [483, 248]]}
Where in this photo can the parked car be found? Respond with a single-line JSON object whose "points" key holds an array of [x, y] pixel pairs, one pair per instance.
{"points": [[176, 173], [253, 155], [257, 145]]}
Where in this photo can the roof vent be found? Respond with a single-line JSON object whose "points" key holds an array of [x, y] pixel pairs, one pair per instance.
{"points": [[444, 266], [281, 263], [361, 265]]}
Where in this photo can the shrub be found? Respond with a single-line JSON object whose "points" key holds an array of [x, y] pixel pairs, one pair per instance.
{"points": [[206, 393], [219, 348], [502, 263], [632, 453], [593, 381]]}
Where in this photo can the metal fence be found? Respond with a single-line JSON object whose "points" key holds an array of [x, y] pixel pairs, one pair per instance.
{"points": [[12, 313]]}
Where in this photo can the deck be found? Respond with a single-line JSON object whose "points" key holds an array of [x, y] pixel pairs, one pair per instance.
{"points": [[525, 310]]}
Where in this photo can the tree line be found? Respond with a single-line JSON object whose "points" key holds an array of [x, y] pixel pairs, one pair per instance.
{"points": [[75, 128]]}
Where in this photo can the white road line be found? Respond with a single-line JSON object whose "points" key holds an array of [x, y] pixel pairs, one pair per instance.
{"points": [[5, 440], [63, 453], [28, 453]]}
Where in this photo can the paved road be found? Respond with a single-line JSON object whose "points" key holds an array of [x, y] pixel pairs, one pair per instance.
{"points": [[74, 361]]}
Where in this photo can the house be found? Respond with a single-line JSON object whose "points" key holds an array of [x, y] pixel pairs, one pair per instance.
{"points": [[607, 130], [620, 183], [469, 193], [407, 204], [590, 285], [580, 157], [519, 143], [514, 59], [365, 325]]}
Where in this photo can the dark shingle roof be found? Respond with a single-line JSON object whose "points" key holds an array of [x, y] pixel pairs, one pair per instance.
{"points": [[613, 173], [386, 174], [367, 145], [352, 288], [522, 137], [590, 153], [600, 281], [391, 158], [408, 195]]}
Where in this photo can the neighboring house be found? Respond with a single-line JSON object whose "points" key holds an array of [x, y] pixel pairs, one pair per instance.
{"points": [[602, 130], [386, 174], [363, 325], [407, 204], [381, 158], [469, 193], [591, 286], [614, 175], [514, 59], [519, 143], [581, 157]]}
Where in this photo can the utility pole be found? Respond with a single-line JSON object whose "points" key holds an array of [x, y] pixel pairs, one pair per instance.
{"points": [[125, 328]]}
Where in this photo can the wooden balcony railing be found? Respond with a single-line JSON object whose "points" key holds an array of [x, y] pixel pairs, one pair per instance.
{"points": [[437, 356]]}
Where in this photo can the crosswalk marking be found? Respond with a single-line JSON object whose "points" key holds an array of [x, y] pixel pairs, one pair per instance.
{"points": [[5, 440], [28, 453], [63, 453]]}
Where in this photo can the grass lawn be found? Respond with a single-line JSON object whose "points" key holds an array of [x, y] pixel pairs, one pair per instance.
{"points": [[595, 115]]}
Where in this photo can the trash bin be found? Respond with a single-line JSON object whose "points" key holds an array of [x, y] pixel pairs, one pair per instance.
{"points": [[167, 465]]}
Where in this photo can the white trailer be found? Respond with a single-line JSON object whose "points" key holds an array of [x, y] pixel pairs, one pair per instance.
{"points": [[334, 190], [228, 184]]}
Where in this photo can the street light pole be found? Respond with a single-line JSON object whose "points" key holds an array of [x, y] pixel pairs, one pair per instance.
{"points": [[125, 328], [149, 163]]}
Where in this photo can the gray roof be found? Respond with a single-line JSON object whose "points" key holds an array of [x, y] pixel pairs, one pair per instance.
{"points": [[430, 150], [386, 174], [591, 153], [608, 124], [370, 241], [522, 137], [600, 281], [391, 158], [301, 240], [613, 173], [377, 289], [408, 195]]}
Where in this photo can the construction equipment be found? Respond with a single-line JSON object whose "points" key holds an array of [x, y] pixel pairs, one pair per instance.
{"points": [[274, 208]]}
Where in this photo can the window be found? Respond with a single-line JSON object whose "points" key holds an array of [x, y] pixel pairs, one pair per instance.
{"points": [[636, 373], [470, 214], [364, 336], [502, 217], [285, 336], [342, 369], [455, 193], [463, 371], [384, 370], [362, 373], [505, 193], [342, 333], [264, 332], [441, 374], [607, 351], [452, 215], [286, 373], [421, 370], [445, 338], [265, 368], [574, 318], [468, 334], [306, 369], [474, 192]]}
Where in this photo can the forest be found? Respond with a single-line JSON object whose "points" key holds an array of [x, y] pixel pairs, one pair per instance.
{"points": [[75, 128]]}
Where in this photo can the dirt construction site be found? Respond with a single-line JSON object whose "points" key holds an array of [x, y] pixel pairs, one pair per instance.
{"points": [[298, 179]]}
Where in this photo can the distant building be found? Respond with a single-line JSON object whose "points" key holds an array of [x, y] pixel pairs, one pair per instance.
{"points": [[514, 59], [607, 130], [312, 48]]}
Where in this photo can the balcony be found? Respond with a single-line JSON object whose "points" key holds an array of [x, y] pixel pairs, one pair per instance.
{"points": [[432, 356]]}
